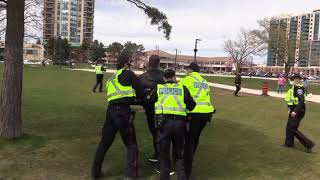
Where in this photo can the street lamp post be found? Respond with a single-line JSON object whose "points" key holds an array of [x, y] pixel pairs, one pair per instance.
{"points": [[175, 60], [196, 49], [251, 65]]}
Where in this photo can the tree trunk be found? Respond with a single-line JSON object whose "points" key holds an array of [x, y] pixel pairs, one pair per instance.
{"points": [[10, 102], [238, 68]]}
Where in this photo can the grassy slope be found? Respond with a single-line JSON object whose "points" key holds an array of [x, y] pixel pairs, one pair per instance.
{"points": [[62, 122], [257, 83]]}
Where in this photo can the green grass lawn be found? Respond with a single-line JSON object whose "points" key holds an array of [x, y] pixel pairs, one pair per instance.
{"points": [[257, 83], [63, 120]]}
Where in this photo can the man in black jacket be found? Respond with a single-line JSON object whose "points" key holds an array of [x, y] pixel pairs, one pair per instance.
{"points": [[237, 83], [149, 80]]}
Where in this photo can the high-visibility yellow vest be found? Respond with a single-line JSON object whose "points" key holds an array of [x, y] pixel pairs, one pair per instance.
{"points": [[200, 91], [170, 99], [115, 90], [98, 69], [290, 99]]}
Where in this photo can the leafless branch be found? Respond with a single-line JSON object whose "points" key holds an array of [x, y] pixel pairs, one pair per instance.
{"points": [[241, 48], [32, 17]]}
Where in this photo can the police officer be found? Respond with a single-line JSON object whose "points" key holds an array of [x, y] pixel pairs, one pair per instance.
{"points": [[99, 77], [295, 100], [172, 100], [149, 81], [122, 89], [200, 115]]}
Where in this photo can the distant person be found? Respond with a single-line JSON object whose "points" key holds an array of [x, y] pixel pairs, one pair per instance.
{"points": [[99, 77], [149, 81], [237, 83], [43, 63], [295, 100], [306, 84], [281, 83]]}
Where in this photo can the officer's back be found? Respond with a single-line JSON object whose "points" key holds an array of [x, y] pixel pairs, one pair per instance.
{"points": [[171, 101], [122, 89]]}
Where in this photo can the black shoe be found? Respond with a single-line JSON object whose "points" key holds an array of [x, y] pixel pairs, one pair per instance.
{"points": [[171, 172], [94, 177], [153, 159], [310, 150], [287, 146]]}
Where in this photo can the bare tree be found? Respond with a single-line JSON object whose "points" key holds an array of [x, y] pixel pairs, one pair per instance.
{"points": [[11, 89], [240, 49], [15, 17], [33, 19]]}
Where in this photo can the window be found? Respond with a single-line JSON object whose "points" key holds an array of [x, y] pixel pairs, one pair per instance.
{"points": [[31, 52]]}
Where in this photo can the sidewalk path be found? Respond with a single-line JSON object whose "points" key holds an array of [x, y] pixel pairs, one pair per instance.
{"points": [[313, 98]]}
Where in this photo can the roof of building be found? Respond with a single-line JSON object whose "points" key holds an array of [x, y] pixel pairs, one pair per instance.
{"points": [[187, 58]]}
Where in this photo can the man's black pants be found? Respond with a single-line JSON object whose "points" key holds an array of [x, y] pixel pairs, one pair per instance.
{"points": [[172, 130], [99, 82], [196, 125], [238, 88], [292, 131], [119, 118], [151, 124]]}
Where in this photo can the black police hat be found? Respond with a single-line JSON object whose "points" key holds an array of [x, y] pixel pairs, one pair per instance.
{"points": [[194, 67], [169, 73]]}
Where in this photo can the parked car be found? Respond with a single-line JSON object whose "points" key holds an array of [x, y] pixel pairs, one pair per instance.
{"points": [[28, 62]]}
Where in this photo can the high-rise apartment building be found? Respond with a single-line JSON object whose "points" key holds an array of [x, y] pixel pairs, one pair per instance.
{"points": [[303, 33], [70, 19]]}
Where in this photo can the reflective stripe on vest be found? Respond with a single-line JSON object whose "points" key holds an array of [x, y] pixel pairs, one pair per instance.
{"points": [[290, 99], [167, 105], [200, 91], [115, 90], [98, 69]]}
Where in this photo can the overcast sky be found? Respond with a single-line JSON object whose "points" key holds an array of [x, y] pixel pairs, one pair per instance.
{"points": [[210, 20]]}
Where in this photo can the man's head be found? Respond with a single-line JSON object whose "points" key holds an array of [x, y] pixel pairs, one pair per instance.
{"points": [[193, 67], [154, 62], [296, 78], [123, 61], [169, 75]]}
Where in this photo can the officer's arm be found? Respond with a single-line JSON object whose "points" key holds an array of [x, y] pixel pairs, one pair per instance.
{"points": [[151, 98], [103, 69], [188, 100], [128, 78], [299, 92]]}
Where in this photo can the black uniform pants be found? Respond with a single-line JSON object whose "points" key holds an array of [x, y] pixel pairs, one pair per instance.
{"points": [[171, 130], [99, 82], [119, 118], [151, 124], [238, 88], [292, 131], [196, 125]]}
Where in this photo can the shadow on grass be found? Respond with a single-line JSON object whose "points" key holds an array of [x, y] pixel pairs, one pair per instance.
{"points": [[28, 142]]}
